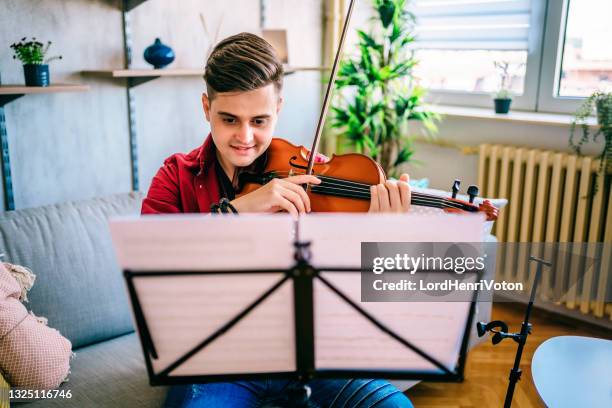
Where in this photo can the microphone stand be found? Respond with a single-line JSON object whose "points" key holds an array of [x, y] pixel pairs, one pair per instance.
{"points": [[500, 330]]}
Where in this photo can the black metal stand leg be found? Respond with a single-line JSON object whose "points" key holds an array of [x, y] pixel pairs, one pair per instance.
{"points": [[501, 332], [515, 373]]}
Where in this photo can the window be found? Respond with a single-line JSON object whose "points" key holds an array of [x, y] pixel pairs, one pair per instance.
{"points": [[587, 52], [472, 36], [555, 52], [466, 47], [577, 56], [471, 70]]}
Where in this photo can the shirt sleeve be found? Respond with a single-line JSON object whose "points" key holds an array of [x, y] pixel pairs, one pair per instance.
{"points": [[164, 194], [320, 158]]}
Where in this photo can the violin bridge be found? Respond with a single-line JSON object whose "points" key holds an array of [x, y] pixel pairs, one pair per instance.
{"points": [[290, 173]]}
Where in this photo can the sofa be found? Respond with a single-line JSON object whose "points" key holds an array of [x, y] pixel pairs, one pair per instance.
{"points": [[80, 289]]}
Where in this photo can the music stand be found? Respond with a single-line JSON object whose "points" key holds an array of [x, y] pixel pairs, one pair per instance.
{"points": [[302, 274]]}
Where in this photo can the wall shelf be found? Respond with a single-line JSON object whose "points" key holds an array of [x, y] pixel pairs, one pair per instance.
{"points": [[138, 73], [140, 76], [291, 70], [9, 93]]}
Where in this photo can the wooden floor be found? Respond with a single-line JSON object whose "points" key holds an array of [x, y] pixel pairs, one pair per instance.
{"points": [[488, 366]]}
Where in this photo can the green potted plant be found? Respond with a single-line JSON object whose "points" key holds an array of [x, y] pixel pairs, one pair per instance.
{"points": [[601, 103], [379, 96], [502, 101], [503, 97], [35, 66]]}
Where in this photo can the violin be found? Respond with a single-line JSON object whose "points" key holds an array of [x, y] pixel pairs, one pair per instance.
{"points": [[345, 179]]}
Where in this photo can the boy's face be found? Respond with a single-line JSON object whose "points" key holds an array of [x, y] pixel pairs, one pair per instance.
{"points": [[242, 124]]}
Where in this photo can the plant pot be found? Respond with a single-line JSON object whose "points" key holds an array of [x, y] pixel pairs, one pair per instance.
{"points": [[36, 74], [502, 105]]}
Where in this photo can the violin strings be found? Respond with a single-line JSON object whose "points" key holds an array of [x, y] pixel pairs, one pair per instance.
{"points": [[350, 194], [416, 200], [346, 188], [360, 186], [352, 189]]}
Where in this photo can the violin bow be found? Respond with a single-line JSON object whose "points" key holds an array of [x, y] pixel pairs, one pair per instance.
{"points": [[330, 88]]}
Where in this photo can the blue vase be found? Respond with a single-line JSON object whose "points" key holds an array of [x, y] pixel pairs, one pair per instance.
{"points": [[158, 54]]}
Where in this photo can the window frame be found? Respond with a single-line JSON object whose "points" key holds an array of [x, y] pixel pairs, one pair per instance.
{"points": [[552, 60], [543, 67]]}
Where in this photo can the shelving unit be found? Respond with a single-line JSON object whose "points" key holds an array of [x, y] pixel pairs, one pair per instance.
{"points": [[9, 93], [135, 77]]}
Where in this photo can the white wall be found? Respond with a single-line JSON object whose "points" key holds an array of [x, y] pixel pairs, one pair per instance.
{"points": [[70, 146]]}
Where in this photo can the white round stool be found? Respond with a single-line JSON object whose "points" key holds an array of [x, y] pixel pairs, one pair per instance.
{"points": [[573, 371]]}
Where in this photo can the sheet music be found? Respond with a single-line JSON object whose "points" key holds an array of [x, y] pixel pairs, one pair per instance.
{"points": [[195, 242], [182, 311], [346, 339], [336, 238]]}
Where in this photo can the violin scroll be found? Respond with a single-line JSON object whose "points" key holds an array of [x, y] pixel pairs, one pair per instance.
{"points": [[489, 209]]}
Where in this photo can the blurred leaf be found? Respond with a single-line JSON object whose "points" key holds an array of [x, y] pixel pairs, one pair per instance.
{"points": [[369, 40], [404, 155], [386, 11]]}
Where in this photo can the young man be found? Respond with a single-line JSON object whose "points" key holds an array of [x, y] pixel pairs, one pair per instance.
{"points": [[244, 82]]}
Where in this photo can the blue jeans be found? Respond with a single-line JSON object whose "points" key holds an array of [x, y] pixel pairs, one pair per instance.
{"points": [[352, 393]]}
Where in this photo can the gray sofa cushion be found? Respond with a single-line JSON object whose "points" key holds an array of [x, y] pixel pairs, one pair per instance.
{"points": [[108, 374], [79, 286]]}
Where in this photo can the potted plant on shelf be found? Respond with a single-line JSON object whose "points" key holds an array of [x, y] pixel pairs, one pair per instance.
{"points": [[601, 103], [35, 66], [381, 97]]}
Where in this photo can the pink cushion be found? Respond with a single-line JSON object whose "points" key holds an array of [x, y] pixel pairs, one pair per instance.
{"points": [[32, 355]]}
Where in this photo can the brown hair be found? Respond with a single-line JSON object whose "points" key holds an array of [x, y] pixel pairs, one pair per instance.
{"points": [[242, 62]]}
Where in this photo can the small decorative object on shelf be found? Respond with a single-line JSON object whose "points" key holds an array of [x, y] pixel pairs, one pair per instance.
{"points": [[502, 100], [35, 66], [503, 97], [159, 55], [601, 103]]}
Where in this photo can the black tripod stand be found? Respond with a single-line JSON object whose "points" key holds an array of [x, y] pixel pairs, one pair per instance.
{"points": [[500, 330]]}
